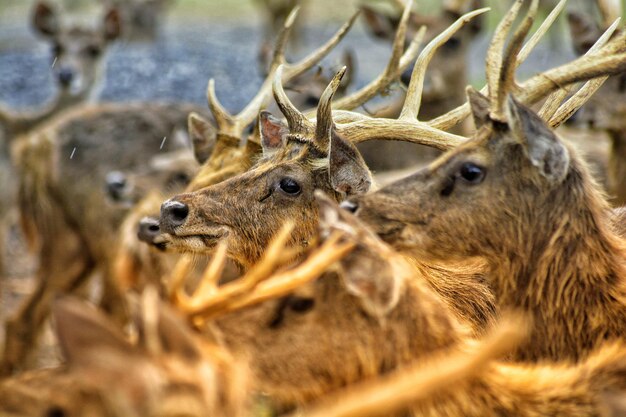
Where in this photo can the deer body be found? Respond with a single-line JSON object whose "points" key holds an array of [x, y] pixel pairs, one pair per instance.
{"points": [[72, 199]]}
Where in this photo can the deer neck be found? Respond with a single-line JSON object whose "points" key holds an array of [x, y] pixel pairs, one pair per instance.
{"points": [[567, 265]]}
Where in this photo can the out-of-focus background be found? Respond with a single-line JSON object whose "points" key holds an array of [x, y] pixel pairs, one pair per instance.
{"points": [[202, 39]]}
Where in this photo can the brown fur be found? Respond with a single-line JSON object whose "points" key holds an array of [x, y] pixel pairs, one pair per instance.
{"points": [[536, 217], [67, 215], [175, 373], [142, 19], [374, 317]]}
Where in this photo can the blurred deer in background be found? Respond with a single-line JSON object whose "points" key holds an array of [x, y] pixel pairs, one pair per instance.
{"points": [[606, 110], [170, 371], [142, 19], [554, 252], [78, 55], [74, 191]]}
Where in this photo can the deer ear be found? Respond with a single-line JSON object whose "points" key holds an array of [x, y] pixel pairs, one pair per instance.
{"points": [[45, 20], [202, 135], [367, 272], [479, 104], [83, 332], [348, 172], [545, 151], [112, 24], [273, 132]]}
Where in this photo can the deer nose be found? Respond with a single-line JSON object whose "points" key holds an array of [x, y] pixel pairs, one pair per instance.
{"points": [[173, 214], [116, 183], [350, 206], [66, 76], [148, 229]]}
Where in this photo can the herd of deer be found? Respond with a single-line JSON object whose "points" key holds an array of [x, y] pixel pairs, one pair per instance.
{"points": [[250, 264]]}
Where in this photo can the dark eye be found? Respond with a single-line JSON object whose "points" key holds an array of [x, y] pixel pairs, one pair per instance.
{"points": [[300, 304], [452, 44], [93, 51], [57, 50], [181, 177], [472, 173], [290, 186]]}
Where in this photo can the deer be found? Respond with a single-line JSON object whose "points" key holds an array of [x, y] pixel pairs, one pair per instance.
{"points": [[142, 19], [72, 199], [597, 114], [554, 253], [78, 57], [228, 156], [297, 160], [445, 80], [352, 312], [169, 371]]}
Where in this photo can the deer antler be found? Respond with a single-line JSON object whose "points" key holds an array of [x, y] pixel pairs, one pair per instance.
{"points": [[552, 103], [457, 115], [398, 62], [358, 128], [235, 125], [610, 10], [260, 283]]}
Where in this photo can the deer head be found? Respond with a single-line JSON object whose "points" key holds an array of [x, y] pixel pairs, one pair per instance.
{"points": [[77, 51], [297, 159]]}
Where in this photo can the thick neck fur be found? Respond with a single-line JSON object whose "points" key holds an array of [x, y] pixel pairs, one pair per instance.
{"points": [[567, 268]]}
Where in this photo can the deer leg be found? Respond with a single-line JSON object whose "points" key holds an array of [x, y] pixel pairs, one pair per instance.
{"points": [[64, 266]]}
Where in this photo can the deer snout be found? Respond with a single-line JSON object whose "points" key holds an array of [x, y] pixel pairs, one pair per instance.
{"points": [[173, 214], [65, 75], [116, 185], [148, 229]]}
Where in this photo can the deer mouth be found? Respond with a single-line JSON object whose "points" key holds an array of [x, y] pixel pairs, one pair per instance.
{"points": [[196, 242]]}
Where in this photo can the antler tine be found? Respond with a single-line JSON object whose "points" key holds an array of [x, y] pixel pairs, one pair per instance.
{"points": [[213, 273], [278, 56], [552, 103], [293, 70], [494, 54], [324, 122], [397, 63], [298, 122], [455, 116], [178, 278], [571, 106], [216, 301], [540, 32], [390, 394], [414, 93], [235, 125], [509, 62], [281, 283]]}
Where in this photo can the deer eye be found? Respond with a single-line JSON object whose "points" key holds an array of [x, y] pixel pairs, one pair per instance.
{"points": [[57, 49], [93, 51], [472, 173], [180, 178], [290, 186]]}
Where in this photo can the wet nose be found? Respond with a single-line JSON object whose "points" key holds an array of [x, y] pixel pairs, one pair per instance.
{"points": [[350, 206], [173, 214], [66, 76], [148, 229], [116, 183]]}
